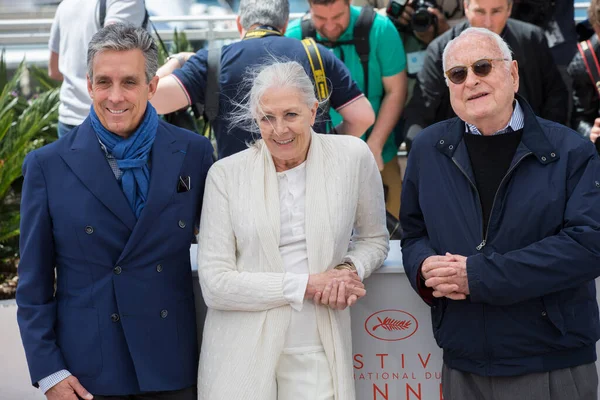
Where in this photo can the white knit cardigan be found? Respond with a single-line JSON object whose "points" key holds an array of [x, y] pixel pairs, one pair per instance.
{"points": [[241, 271]]}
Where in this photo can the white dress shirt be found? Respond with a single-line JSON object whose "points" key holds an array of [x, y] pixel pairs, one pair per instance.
{"points": [[302, 334]]}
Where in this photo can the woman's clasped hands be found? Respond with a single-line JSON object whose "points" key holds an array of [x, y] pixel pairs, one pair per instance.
{"points": [[335, 288]]}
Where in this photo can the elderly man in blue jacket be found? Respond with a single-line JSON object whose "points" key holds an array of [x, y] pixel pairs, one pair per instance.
{"points": [[501, 218], [108, 213]]}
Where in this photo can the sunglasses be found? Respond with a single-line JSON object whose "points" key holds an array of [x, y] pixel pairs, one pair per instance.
{"points": [[481, 68]]}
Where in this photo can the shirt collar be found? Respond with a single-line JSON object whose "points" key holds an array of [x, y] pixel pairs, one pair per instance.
{"points": [[517, 121]]}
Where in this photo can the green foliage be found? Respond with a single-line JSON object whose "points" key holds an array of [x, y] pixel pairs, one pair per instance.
{"points": [[182, 118], [180, 44], [41, 76], [24, 125]]}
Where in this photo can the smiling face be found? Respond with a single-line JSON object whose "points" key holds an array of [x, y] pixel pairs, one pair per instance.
{"points": [[331, 20], [119, 90], [489, 14], [285, 126], [486, 102]]}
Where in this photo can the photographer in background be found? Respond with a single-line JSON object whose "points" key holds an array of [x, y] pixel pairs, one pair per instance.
{"points": [[341, 26], [585, 74], [541, 86], [426, 19], [556, 18], [431, 19]]}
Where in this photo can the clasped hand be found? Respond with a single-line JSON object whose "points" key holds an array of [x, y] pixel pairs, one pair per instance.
{"points": [[446, 275], [337, 289]]}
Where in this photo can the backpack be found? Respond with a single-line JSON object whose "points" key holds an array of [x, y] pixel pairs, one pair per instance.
{"points": [[592, 66], [360, 40], [210, 109], [102, 15], [590, 61]]}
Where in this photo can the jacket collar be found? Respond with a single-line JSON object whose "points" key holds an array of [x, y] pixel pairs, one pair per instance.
{"points": [[87, 161], [167, 157], [318, 218], [533, 140]]}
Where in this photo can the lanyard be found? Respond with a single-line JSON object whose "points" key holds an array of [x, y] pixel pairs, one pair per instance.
{"points": [[261, 32]]}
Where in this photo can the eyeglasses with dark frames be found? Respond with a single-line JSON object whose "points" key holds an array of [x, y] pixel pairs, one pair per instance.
{"points": [[481, 68]]}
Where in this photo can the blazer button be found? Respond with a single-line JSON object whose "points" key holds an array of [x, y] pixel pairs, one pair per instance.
{"points": [[115, 317], [117, 270], [181, 224], [164, 313], [89, 230], [544, 313], [159, 268]]}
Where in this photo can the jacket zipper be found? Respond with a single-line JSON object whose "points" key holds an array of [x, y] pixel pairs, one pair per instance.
{"points": [[485, 235], [482, 244], [478, 199]]}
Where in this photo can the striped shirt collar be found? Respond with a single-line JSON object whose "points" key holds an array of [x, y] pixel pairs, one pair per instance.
{"points": [[517, 121]]}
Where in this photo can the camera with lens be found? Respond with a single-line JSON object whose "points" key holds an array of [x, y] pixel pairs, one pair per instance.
{"points": [[421, 20]]}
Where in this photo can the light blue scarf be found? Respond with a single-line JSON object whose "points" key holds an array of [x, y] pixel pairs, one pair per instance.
{"points": [[132, 156]]}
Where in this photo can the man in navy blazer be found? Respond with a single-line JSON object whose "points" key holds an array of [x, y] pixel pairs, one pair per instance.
{"points": [[108, 212]]}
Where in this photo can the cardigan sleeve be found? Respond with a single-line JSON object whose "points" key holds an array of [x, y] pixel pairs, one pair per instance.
{"points": [[369, 245], [223, 286]]}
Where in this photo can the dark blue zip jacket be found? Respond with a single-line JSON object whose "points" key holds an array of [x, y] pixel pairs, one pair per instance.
{"points": [[532, 304]]}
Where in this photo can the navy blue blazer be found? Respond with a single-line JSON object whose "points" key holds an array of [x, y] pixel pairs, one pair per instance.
{"points": [[122, 317]]}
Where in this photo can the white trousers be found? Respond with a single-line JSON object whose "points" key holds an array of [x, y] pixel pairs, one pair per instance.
{"points": [[304, 376]]}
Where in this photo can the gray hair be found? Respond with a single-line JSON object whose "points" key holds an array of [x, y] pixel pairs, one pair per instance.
{"points": [[264, 12], [279, 74], [481, 32], [508, 1], [124, 37]]}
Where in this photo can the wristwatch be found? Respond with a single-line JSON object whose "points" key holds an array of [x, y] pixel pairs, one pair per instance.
{"points": [[179, 57]]}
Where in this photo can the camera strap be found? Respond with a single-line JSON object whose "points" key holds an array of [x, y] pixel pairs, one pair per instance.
{"points": [[319, 75], [590, 60], [261, 32], [361, 33], [211, 93], [102, 15], [316, 65]]}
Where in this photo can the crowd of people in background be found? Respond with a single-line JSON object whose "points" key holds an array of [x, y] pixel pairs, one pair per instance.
{"points": [[308, 119], [404, 84]]}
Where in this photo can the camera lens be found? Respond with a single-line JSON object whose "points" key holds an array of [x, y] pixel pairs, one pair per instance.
{"points": [[422, 20]]}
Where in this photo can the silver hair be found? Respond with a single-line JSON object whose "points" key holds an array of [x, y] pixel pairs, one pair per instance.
{"points": [[276, 74], [123, 37], [481, 32], [264, 12], [508, 1]]}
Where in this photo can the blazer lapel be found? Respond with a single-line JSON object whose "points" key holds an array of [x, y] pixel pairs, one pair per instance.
{"points": [[318, 214], [166, 160], [89, 164], [265, 199]]}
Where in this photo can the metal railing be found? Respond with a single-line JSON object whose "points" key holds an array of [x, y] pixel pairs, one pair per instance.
{"points": [[204, 27], [37, 31]]}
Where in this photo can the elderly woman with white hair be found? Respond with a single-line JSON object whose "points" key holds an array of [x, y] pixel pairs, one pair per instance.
{"points": [[290, 227]]}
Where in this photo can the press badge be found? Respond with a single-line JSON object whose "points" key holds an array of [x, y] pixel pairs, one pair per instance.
{"points": [[415, 61]]}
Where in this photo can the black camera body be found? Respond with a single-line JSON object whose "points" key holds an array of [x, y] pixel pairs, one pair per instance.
{"points": [[421, 20]]}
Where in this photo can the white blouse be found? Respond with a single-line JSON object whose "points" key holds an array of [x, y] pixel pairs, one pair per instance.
{"points": [[302, 334]]}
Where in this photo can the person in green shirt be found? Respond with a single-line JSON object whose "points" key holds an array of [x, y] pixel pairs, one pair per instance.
{"points": [[334, 21]]}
